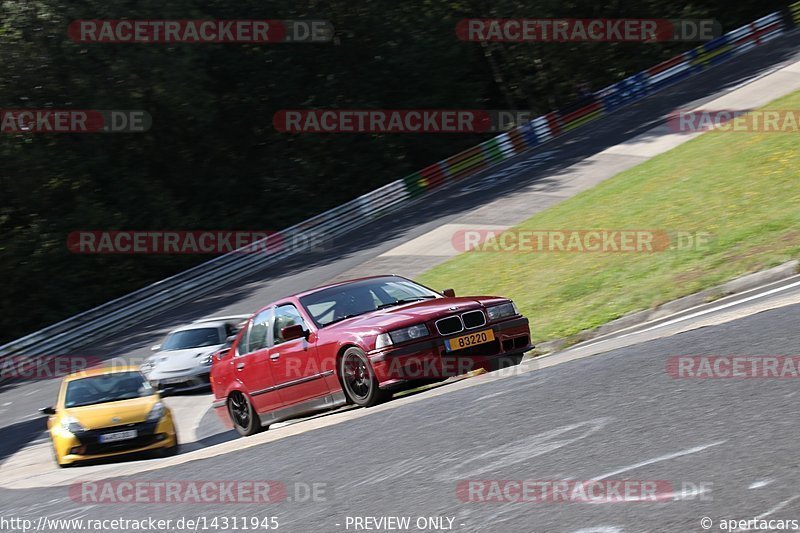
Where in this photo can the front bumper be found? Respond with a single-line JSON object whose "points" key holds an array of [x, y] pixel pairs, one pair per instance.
{"points": [[430, 360], [196, 378], [71, 448]]}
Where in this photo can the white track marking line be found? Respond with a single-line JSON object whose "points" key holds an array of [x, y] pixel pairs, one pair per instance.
{"points": [[717, 308], [778, 507], [775, 509], [759, 484], [659, 459], [621, 333]]}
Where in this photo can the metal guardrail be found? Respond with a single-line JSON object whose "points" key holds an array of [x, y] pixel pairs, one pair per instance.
{"points": [[132, 308], [794, 13]]}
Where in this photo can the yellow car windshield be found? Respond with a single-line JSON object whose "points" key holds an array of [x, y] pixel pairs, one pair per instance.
{"points": [[106, 388]]}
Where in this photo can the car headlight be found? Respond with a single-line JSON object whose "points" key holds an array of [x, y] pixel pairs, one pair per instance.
{"points": [[156, 413], [496, 312], [401, 335], [205, 359], [147, 366], [71, 424]]}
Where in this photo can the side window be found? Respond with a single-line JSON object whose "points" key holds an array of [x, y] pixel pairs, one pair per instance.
{"points": [[255, 338], [285, 315], [241, 349]]}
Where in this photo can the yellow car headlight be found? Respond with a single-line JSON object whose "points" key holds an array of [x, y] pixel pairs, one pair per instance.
{"points": [[71, 425]]}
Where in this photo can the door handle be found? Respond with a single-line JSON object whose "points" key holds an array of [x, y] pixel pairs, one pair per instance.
{"points": [[275, 356], [240, 366]]}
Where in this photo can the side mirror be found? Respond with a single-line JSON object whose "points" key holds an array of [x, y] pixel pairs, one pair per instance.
{"points": [[155, 348], [290, 333], [47, 411], [450, 293], [229, 340]]}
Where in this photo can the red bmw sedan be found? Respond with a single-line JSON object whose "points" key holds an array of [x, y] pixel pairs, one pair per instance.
{"points": [[357, 342]]}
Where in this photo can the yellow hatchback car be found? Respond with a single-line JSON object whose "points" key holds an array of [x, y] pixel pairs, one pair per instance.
{"points": [[108, 412]]}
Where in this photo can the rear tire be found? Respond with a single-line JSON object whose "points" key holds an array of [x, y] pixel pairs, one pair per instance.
{"points": [[358, 379], [244, 417]]}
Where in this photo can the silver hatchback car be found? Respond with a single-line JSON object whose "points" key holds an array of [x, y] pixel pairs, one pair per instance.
{"points": [[183, 361]]}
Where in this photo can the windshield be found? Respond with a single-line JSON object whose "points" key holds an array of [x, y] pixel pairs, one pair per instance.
{"points": [[192, 338], [352, 299], [107, 388]]}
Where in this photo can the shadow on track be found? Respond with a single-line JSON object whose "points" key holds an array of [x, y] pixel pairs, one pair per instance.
{"points": [[20, 435]]}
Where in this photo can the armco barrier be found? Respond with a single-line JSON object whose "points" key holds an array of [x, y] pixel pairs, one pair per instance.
{"points": [[132, 308]]}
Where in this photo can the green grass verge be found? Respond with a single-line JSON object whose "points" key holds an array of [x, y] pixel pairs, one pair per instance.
{"points": [[742, 188]]}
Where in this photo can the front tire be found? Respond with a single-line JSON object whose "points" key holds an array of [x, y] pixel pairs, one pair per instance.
{"points": [[358, 379], [243, 415], [171, 451]]}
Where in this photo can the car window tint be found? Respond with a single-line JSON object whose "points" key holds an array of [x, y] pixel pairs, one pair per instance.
{"points": [[400, 290], [241, 348], [322, 311], [104, 388], [192, 338], [258, 331], [285, 315], [358, 297]]}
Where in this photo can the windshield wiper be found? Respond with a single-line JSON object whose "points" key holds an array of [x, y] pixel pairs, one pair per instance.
{"points": [[345, 317], [404, 301]]}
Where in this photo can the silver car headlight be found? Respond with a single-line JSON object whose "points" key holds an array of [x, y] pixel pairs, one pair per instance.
{"points": [[401, 335], [496, 312], [205, 359], [147, 366], [156, 413], [71, 424]]}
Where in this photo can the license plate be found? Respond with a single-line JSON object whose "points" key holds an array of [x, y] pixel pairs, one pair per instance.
{"points": [[470, 339], [171, 381], [119, 435]]}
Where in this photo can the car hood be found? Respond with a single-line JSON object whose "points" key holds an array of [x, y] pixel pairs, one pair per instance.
{"points": [[176, 360], [414, 313], [113, 413]]}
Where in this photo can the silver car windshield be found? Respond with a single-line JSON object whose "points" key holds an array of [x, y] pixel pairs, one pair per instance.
{"points": [[192, 338]]}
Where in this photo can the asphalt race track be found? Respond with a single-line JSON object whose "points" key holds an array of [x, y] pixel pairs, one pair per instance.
{"points": [[727, 446], [618, 415]]}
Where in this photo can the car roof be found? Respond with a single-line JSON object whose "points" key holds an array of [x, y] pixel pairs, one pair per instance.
{"points": [[201, 325], [99, 371], [345, 282], [212, 322]]}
